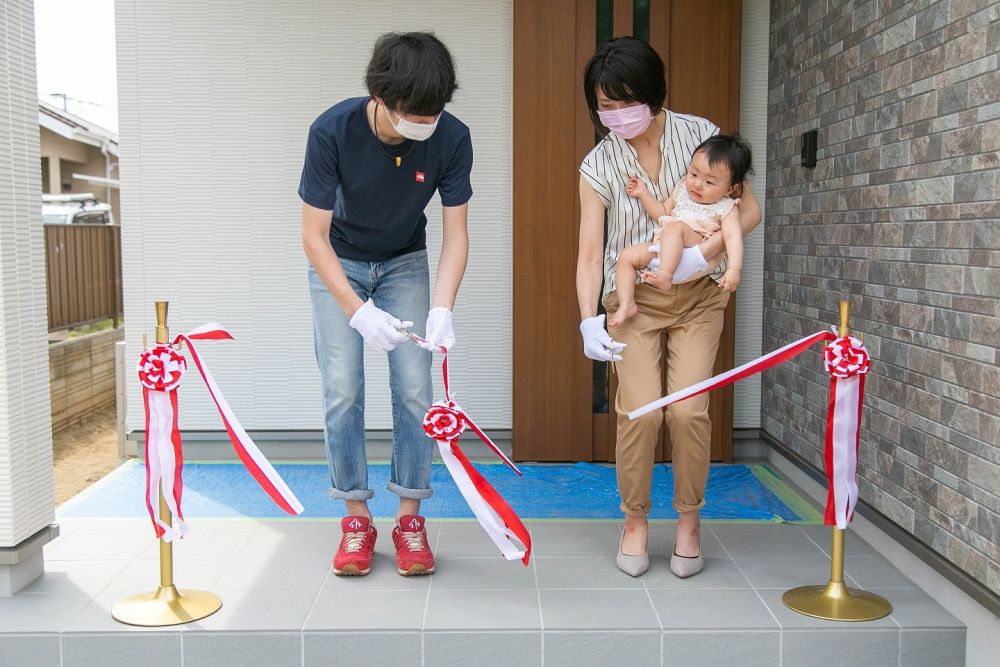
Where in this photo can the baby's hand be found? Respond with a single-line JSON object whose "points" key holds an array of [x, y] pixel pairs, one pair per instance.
{"points": [[635, 187], [730, 280]]}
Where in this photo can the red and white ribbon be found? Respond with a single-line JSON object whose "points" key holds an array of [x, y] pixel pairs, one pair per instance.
{"points": [[160, 369], [445, 422], [847, 362]]}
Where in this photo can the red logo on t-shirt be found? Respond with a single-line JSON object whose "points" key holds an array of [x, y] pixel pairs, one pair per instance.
{"points": [[420, 177]]}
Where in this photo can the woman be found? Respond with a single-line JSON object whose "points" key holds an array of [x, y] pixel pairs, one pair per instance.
{"points": [[625, 89]]}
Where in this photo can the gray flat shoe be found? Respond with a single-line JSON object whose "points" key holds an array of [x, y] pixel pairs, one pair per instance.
{"points": [[686, 566], [633, 566]]}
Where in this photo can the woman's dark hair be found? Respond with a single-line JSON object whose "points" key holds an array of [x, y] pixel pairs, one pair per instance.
{"points": [[412, 72], [628, 70], [731, 150]]}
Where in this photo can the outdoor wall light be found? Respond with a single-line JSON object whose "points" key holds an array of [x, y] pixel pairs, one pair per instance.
{"points": [[809, 148]]}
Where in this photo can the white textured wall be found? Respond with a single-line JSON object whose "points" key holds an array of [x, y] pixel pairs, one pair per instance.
{"points": [[26, 503], [215, 100], [753, 127]]}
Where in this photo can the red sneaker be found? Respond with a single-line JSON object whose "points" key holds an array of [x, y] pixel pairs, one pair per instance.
{"points": [[354, 557], [413, 554]]}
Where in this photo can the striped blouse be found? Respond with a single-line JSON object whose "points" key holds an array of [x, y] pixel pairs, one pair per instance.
{"points": [[613, 161]]}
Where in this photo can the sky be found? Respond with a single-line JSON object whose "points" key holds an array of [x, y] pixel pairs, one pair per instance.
{"points": [[75, 49]]}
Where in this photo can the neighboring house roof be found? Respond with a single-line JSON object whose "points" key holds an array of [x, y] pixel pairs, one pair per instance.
{"points": [[75, 128]]}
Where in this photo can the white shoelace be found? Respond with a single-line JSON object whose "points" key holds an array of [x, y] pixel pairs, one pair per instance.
{"points": [[354, 541], [414, 541]]}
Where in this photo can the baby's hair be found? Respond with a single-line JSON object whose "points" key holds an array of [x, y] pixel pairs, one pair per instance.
{"points": [[731, 150]]}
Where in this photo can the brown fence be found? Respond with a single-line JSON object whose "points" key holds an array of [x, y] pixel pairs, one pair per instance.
{"points": [[83, 274]]}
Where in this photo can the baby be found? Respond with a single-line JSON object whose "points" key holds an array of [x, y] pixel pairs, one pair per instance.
{"points": [[699, 207]]}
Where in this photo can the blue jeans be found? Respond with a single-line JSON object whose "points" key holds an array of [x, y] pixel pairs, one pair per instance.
{"points": [[401, 287]]}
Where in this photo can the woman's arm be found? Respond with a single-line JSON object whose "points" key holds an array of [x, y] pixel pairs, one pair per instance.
{"points": [[454, 255], [590, 257], [749, 212]]}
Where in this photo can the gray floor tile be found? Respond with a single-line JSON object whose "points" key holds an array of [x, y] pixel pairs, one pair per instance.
{"points": [[597, 541], [764, 540], [97, 546], [554, 525], [202, 546], [912, 608], [272, 574], [220, 649], [932, 648], [853, 544], [40, 612], [322, 649], [30, 650], [794, 620], [597, 609], [258, 610], [579, 573], [852, 648], [144, 575], [383, 577], [719, 572], [88, 576], [361, 610], [712, 649], [785, 572], [572, 649], [484, 649], [875, 571], [122, 649], [735, 609], [482, 610], [482, 574]]}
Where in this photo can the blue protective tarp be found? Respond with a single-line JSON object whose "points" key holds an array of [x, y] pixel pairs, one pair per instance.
{"points": [[572, 491]]}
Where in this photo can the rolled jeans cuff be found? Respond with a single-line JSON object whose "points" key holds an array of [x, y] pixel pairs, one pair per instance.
{"points": [[359, 494], [683, 507], [414, 494]]}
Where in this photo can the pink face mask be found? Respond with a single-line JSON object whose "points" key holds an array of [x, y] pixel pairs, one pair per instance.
{"points": [[627, 123]]}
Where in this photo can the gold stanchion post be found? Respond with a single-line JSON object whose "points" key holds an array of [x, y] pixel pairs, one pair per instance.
{"points": [[836, 601], [166, 605]]}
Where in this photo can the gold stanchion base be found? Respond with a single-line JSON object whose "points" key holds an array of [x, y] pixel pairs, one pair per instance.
{"points": [[836, 602], [166, 606]]}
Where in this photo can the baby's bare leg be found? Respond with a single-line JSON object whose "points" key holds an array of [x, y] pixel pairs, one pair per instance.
{"points": [[630, 260], [674, 237]]}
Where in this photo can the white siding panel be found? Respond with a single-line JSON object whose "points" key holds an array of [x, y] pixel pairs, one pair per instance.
{"points": [[26, 503], [753, 126], [215, 101]]}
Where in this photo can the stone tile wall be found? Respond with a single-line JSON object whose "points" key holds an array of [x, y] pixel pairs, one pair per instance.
{"points": [[900, 216]]}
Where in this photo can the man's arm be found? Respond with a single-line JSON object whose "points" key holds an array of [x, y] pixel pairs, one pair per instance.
{"points": [[316, 242], [454, 255]]}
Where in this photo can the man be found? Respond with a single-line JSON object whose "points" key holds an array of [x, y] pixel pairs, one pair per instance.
{"points": [[372, 165]]}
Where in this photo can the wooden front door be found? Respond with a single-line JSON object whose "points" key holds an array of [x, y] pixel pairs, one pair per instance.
{"points": [[563, 402]]}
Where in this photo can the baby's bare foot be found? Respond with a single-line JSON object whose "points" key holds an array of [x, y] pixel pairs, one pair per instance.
{"points": [[625, 311], [658, 279]]}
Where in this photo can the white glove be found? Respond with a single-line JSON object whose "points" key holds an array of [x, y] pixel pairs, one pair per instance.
{"points": [[692, 262], [597, 344], [440, 332], [378, 328]]}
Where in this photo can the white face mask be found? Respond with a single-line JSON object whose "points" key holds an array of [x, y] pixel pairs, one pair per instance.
{"points": [[414, 131]]}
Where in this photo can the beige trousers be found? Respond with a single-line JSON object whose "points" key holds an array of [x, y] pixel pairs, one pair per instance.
{"points": [[691, 315]]}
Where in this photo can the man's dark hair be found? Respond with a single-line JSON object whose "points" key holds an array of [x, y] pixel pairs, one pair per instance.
{"points": [[412, 72], [628, 70], [731, 150]]}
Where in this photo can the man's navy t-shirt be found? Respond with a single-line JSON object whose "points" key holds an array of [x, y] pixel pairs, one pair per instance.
{"points": [[378, 208]]}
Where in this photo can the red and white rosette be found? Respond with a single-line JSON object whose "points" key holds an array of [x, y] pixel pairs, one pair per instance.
{"points": [[847, 362], [160, 369], [445, 422]]}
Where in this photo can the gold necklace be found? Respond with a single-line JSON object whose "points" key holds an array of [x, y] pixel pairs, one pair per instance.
{"points": [[397, 158]]}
